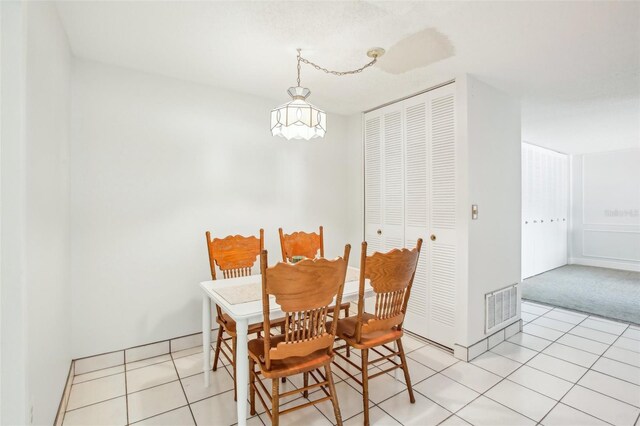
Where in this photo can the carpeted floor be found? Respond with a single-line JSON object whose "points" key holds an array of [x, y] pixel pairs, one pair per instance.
{"points": [[606, 292]]}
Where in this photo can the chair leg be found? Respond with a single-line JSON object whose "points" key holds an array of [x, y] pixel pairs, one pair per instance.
{"points": [[365, 385], [275, 402], [218, 347], [346, 315], [282, 330], [235, 383], [332, 391], [252, 386], [405, 368], [305, 379]]}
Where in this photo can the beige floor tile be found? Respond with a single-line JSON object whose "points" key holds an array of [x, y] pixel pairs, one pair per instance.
{"points": [[472, 376], [563, 415], [618, 369], [601, 406], [98, 373], [180, 416], [148, 361], [454, 421], [530, 341], [349, 400], [597, 335], [485, 412], [557, 367], [423, 413], [434, 358], [515, 352], [567, 353], [446, 392], [544, 383], [111, 412], [616, 388], [623, 355], [153, 375], [97, 390], [377, 417], [497, 364], [194, 385], [521, 399], [153, 401]]}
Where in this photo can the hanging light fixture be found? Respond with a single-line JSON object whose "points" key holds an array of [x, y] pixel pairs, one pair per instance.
{"points": [[298, 119]]}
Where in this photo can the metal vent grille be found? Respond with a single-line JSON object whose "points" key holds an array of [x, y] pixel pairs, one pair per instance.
{"points": [[500, 307]]}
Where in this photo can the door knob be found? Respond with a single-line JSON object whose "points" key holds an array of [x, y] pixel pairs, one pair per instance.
{"points": [[432, 237], [379, 231]]}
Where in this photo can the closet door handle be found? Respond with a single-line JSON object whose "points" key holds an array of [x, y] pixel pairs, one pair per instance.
{"points": [[379, 232], [432, 237]]}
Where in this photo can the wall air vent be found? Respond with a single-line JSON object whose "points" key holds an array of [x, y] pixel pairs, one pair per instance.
{"points": [[501, 306]]}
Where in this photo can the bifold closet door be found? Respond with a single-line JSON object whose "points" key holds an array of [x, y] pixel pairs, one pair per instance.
{"points": [[410, 193], [384, 179], [441, 246], [416, 113]]}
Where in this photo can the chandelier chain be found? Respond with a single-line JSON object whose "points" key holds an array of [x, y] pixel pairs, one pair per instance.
{"points": [[328, 71]]}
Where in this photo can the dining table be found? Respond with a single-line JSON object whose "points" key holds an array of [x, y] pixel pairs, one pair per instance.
{"points": [[241, 299]]}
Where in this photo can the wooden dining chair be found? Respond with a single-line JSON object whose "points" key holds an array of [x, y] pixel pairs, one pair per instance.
{"points": [[304, 291], [235, 256], [309, 245], [300, 243], [391, 276]]}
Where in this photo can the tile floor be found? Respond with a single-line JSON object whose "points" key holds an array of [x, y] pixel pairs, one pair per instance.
{"points": [[565, 368]]}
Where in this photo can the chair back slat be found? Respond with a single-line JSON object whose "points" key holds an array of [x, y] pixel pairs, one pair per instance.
{"points": [[304, 291], [391, 276], [309, 245]]}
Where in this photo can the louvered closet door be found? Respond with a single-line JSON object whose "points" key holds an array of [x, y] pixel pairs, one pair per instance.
{"points": [[442, 253], [417, 207], [384, 177], [393, 178], [373, 179]]}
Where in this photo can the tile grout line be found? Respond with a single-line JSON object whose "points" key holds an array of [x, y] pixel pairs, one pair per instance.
{"points": [[182, 387], [95, 403], [126, 389], [522, 365], [576, 384], [603, 355]]}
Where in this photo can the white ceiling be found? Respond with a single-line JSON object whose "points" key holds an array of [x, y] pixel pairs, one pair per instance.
{"points": [[574, 65]]}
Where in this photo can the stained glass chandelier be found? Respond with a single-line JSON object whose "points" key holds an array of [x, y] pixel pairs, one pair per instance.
{"points": [[298, 119]]}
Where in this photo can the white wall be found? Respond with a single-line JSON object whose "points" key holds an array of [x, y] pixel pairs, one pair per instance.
{"points": [[605, 209], [155, 162], [490, 128], [12, 192], [35, 202]]}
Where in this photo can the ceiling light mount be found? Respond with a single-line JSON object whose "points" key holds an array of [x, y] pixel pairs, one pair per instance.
{"points": [[298, 119], [375, 52]]}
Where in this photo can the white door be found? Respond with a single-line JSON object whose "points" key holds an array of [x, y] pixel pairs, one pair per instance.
{"points": [[416, 111], [384, 177], [373, 180], [410, 193], [545, 198], [441, 244], [393, 178]]}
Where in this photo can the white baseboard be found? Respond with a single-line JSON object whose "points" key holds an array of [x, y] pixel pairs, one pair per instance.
{"points": [[604, 263]]}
